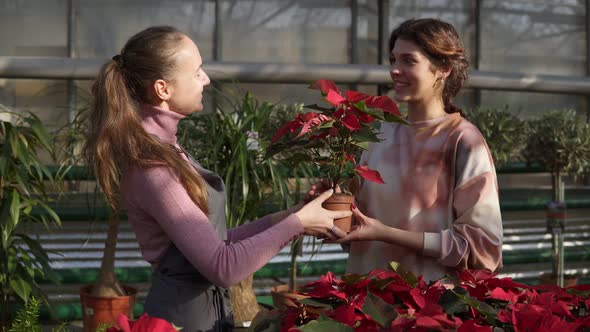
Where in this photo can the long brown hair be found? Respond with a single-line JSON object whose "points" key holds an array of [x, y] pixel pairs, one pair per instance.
{"points": [[115, 139], [441, 43]]}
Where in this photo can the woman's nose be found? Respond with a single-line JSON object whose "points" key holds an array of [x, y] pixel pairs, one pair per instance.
{"points": [[393, 71], [206, 79]]}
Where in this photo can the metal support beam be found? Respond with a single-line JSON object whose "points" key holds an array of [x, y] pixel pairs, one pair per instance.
{"points": [[478, 35], [72, 16], [354, 19], [86, 69], [587, 56], [382, 39], [354, 45], [217, 36]]}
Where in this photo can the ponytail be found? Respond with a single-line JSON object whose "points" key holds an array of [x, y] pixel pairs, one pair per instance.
{"points": [[115, 139]]}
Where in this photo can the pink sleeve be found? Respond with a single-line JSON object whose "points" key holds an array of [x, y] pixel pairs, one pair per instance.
{"points": [[475, 238], [160, 195], [249, 229]]}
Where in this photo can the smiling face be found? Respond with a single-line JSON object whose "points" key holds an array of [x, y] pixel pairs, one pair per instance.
{"points": [[416, 79], [188, 80]]}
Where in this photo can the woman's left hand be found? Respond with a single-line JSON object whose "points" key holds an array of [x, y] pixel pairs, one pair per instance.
{"points": [[366, 229]]}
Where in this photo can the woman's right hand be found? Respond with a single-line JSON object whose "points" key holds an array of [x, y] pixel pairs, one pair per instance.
{"points": [[318, 221]]}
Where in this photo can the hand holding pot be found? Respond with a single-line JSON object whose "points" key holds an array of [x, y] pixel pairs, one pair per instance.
{"points": [[318, 221], [366, 229]]}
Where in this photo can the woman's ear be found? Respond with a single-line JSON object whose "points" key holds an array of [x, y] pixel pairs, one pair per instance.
{"points": [[446, 72], [162, 90]]}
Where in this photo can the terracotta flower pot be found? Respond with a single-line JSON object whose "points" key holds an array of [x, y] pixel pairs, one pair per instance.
{"points": [[340, 202], [282, 296], [550, 279], [97, 310]]}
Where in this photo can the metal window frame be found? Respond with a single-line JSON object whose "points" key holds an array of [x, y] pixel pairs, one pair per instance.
{"points": [[251, 72]]}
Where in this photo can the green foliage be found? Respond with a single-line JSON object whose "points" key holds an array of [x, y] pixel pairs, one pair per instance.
{"points": [[504, 132], [231, 142], [27, 319], [325, 324], [560, 142], [102, 327], [24, 181]]}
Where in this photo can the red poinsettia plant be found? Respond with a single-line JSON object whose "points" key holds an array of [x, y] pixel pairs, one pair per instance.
{"points": [[332, 137], [397, 300], [145, 323]]}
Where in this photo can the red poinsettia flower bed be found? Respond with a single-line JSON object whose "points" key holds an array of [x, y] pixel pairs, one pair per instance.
{"points": [[396, 300]]}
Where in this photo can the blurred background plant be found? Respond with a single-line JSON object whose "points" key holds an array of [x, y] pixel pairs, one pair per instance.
{"points": [[559, 141], [504, 132], [25, 183], [27, 319]]}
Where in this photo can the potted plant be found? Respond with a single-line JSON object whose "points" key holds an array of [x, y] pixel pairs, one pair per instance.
{"points": [[24, 185], [560, 142], [103, 301], [504, 132], [333, 137], [231, 141]]}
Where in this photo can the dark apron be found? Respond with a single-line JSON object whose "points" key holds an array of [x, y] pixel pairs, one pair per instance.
{"points": [[179, 293]]}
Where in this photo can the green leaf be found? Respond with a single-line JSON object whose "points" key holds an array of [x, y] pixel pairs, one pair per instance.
{"points": [[407, 275], [320, 108], [14, 210], [453, 304], [362, 145], [326, 124], [382, 312], [365, 134], [40, 132], [394, 118], [483, 308], [316, 303], [20, 287], [374, 112], [266, 321], [325, 324]]}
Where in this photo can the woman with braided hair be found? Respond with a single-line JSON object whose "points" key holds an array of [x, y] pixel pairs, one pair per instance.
{"points": [[438, 211]]}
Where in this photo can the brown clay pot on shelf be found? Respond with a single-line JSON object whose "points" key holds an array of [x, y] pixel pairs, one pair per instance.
{"points": [[340, 202], [282, 296], [569, 280]]}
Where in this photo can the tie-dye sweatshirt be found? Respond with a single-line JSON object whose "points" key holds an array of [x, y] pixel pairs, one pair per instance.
{"points": [[440, 180], [161, 212]]}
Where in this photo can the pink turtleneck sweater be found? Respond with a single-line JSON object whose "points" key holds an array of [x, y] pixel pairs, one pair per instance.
{"points": [[161, 212]]}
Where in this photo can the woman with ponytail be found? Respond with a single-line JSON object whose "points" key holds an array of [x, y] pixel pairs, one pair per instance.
{"points": [[439, 210], [175, 206]]}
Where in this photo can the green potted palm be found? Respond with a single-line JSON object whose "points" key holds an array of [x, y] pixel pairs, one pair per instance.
{"points": [[333, 136], [24, 185], [103, 301], [231, 142], [560, 142]]}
